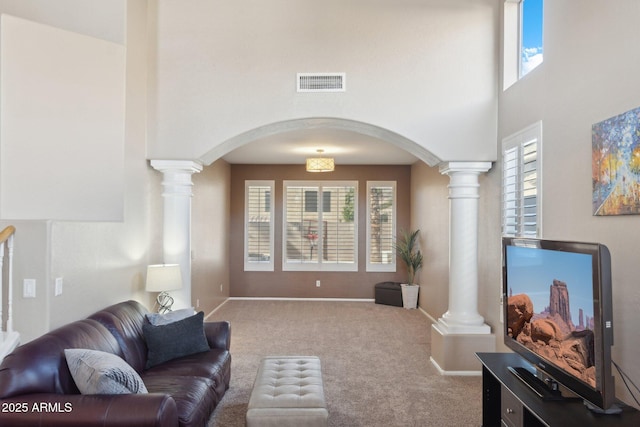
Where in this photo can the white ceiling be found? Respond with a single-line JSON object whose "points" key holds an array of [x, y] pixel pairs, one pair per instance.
{"points": [[346, 147]]}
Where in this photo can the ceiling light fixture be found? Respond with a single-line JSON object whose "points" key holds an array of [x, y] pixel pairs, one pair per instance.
{"points": [[320, 164]]}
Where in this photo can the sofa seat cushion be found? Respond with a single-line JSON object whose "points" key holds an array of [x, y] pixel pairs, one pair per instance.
{"points": [[194, 396], [214, 364], [98, 372]]}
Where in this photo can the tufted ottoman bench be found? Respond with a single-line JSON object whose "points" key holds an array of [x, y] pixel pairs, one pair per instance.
{"points": [[288, 391]]}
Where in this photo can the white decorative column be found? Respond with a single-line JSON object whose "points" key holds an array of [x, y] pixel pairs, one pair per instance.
{"points": [[177, 194], [461, 331]]}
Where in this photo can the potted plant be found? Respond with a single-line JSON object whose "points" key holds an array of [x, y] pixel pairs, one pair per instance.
{"points": [[408, 252]]}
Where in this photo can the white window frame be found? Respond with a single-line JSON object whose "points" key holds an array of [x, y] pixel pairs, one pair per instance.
{"points": [[516, 181], [511, 30], [381, 267], [320, 265], [259, 265], [512, 43]]}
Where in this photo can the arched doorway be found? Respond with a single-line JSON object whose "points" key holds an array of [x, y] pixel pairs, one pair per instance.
{"points": [[372, 134]]}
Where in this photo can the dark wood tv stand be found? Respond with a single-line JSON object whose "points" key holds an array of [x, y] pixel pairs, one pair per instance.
{"points": [[507, 401]]}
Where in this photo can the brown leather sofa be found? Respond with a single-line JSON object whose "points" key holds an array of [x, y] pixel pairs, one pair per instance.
{"points": [[37, 389]]}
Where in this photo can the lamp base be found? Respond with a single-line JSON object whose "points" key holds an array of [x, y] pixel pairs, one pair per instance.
{"points": [[164, 302]]}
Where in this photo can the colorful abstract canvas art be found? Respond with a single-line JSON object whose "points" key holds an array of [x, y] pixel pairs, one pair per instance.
{"points": [[616, 165]]}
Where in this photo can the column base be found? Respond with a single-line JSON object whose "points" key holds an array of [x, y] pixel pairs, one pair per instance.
{"points": [[448, 326], [455, 353]]}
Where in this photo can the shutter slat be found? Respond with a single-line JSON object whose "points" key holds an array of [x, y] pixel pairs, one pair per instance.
{"points": [[318, 229], [381, 219], [258, 227], [520, 186]]}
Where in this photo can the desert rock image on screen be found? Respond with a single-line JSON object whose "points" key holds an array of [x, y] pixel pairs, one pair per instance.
{"points": [[552, 334]]}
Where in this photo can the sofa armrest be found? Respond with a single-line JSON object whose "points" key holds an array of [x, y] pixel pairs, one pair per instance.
{"points": [[121, 410], [218, 334]]}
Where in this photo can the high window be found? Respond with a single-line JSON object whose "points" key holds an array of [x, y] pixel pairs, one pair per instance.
{"points": [[521, 182], [381, 225], [320, 226], [522, 35], [531, 52], [259, 230]]}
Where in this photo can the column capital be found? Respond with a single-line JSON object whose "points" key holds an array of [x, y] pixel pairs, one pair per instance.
{"points": [[176, 176], [188, 166], [447, 168], [463, 178]]}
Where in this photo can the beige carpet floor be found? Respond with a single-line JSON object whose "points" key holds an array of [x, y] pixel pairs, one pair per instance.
{"points": [[375, 362]]}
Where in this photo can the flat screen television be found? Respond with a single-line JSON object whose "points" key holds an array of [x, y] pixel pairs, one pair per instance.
{"points": [[558, 317]]}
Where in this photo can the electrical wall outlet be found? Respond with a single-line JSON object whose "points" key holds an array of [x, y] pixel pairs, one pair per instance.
{"points": [[317, 283], [221, 286], [57, 289], [29, 288]]}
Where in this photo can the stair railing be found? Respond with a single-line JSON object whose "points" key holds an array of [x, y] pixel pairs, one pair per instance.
{"points": [[9, 338]]}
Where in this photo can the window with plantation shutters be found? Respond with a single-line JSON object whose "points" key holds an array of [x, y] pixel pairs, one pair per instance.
{"points": [[381, 225], [319, 226], [521, 183], [259, 230]]}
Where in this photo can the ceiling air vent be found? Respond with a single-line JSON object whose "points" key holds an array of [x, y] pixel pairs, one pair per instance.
{"points": [[321, 82]]}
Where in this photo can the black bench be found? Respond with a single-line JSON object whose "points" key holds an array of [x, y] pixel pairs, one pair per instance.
{"points": [[388, 293]]}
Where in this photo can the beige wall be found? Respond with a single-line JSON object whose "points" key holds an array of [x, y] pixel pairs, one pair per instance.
{"points": [[489, 252], [418, 69], [302, 284], [95, 18], [589, 74], [210, 236], [103, 263], [88, 73], [430, 214], [100, 262]]}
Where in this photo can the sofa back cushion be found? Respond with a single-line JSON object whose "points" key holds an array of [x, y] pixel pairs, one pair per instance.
{"points": [[40, 366], [124, 320]]}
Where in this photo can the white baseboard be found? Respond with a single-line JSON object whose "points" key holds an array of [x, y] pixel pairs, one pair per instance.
{"points": [[286, 299], [300, 299], [455, 373], [216, 309], [430, 317]]}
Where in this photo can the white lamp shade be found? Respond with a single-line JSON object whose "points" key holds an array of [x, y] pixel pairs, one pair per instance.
{"points": [[163, 277]]}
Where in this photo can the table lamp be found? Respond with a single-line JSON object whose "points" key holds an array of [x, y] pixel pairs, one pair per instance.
{"points": [[162, 278]]}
